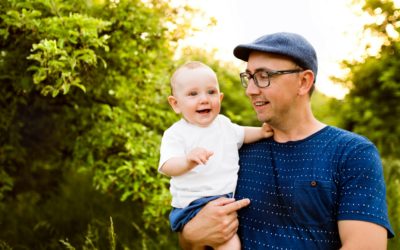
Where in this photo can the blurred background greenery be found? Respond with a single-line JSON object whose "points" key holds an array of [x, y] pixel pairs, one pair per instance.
{"points": [[83, 108]]}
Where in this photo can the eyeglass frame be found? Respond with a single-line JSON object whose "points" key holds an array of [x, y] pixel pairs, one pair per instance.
{"points": [[270, 73]]}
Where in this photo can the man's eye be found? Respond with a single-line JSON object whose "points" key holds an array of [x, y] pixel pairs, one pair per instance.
{"points": [[262, 75]]}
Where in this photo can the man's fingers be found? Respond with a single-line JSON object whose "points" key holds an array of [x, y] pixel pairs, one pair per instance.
{"points": [[232, 227], [230, 205], [222, 201], [236, 205]]}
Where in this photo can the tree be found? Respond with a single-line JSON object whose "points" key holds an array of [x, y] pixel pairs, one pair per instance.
{"points": [[371, 107], [82, 86]]}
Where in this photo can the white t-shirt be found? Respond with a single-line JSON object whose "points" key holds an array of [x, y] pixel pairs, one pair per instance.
{"points": [[219, 175]]}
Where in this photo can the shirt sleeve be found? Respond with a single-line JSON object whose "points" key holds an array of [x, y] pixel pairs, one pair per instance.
{"points": [[240, 134], [237, 129], [172, 145], [362, 192]]}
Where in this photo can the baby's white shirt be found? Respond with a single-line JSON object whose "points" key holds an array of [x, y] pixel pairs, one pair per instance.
{"points": [[219, 175]]}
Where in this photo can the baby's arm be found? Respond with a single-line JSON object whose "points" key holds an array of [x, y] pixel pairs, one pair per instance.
{"points": [[179, 165], [252, 134]]}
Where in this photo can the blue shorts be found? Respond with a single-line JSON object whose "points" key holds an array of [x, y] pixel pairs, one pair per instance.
{"points": [[180, 216]]}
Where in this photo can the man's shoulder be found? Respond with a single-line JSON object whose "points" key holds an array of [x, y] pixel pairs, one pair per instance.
{"points": [[348, 144], [345, 136]]}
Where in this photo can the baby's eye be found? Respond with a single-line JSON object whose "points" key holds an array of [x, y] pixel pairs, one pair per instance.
{"points": [[192, 93], [212, 91]]}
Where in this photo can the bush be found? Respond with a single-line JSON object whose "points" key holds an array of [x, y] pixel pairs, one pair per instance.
{"points": [[77, 215]]}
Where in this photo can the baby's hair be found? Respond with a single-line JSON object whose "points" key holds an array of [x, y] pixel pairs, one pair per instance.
{"points": [[187, 65]]}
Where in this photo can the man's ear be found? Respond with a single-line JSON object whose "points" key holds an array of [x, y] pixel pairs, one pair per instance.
{"points": [[174, 104], [307, 81]]}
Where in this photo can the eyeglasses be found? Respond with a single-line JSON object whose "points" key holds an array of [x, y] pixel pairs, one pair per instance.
{"points": [[262, 77]]}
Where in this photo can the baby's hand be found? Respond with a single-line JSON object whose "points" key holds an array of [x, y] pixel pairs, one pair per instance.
{"points": [[266, 130], [199, 156]]}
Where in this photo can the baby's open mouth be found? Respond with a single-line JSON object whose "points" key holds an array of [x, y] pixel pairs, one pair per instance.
{"points": [[203, 111]]}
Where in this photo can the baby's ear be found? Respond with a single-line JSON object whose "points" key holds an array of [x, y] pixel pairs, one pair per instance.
{"points": [[221, 96], [174, 104]]}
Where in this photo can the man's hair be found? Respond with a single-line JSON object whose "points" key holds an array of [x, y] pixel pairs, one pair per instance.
{"points": [[187, 65]]}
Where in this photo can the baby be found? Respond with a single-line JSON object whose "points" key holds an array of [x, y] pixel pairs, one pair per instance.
{"points": [[200, 151]]}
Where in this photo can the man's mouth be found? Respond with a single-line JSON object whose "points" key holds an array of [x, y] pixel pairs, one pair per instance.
{"points": [[203, 111], [260, 103]]}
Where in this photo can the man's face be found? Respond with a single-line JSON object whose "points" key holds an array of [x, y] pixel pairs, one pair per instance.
{"points": [[197, 96], [277, 101]]}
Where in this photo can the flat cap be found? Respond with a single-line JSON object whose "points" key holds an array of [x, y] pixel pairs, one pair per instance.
{"points": [[288, 44]]}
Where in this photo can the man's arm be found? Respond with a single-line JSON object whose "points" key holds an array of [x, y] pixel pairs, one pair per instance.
{"points": [[252, 134], [362, 235], [213, 225], [179, 165]]}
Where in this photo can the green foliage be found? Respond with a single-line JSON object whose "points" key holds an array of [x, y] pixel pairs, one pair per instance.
{"points": [[62, 45], [77, 216], [4, 246], [82, 91], [322, 107], [111, 235], [392, 178], [371, 108]]}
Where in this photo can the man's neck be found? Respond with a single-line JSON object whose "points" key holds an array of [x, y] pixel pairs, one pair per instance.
{"points": [[297, 128]]}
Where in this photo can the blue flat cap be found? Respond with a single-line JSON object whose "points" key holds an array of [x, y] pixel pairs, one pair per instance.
{"points": [[283, 43]]}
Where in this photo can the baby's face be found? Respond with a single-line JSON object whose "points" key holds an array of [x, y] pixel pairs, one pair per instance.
{"points": [[197, 96]]}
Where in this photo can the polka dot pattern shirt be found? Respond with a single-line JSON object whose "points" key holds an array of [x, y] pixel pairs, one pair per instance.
{"points": [[299, 190]]}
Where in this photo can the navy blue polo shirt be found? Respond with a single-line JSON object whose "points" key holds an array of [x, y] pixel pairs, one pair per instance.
{"points": [[299, 190]]}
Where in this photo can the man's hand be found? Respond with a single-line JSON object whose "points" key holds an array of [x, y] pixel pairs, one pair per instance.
{"points": [[215, 224]]}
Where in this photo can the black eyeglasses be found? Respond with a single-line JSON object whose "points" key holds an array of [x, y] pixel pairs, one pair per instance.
{"points": [[262, 77]]}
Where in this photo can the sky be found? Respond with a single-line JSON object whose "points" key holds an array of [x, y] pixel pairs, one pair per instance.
{"points": [[332, 26]]}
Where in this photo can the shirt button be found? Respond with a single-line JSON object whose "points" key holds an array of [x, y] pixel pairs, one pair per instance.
{"points": [[313, 183]]}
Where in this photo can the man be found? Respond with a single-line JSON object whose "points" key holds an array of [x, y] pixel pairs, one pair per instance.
{"points": [[311, 186]]}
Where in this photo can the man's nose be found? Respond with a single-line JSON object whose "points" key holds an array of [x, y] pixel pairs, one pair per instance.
{"points": [[252, 88]]}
